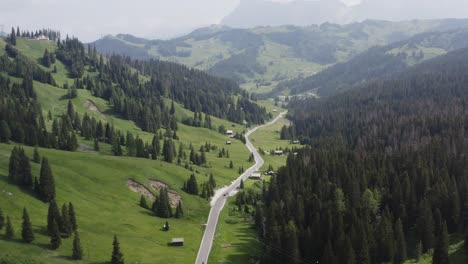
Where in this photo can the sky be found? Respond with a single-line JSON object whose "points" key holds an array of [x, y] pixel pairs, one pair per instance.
{"points": [[92, 19]]}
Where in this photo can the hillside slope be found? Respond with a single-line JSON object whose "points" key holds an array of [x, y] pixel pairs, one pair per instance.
{"points": [[95, 181]]}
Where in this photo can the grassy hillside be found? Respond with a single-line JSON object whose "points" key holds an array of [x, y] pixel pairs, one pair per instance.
{"points": [[259, 58], [97, 186], [96, 183]]}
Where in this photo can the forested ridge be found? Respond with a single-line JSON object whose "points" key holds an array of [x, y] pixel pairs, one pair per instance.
{"points": [[135, 89], [120, 81], [385, 177]]}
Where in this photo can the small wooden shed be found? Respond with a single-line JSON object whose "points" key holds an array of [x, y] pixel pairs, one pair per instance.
{"points": [[177, 242]]}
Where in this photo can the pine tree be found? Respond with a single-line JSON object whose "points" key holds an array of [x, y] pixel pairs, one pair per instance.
{"points": [[24, 171], [400, 243], [179, 211], [72, 217], [418, 251], [349, 255], [96, 145], [163, 208], [65, 225], [172, 111], [5, 132], [77, 250], [241, 186], [117, 256], [192, 185], [143, 202], [26, 228], [36, 156], [441, 255], [231, 164], [46, 181], [13, 166], [2, 219], [55, 238], [53, 215], [46, 60], [13, 37], [9, 232]]}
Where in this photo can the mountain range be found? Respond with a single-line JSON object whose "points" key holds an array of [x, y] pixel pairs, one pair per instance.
{"points": [[304, 13], [261, 57]]}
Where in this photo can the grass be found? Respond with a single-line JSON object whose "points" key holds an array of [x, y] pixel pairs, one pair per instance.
{"points": [[96, 184]]}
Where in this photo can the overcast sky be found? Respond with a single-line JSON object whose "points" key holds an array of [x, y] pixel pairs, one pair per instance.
{"points": [[91, 19]]}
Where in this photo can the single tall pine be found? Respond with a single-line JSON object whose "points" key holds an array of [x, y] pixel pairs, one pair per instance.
{"points": [[2, 219], [55, 238], [53, 215], [400, 243], [9, 232], [441, 255], [77, 250], [73, 222], [46, 182], [65, 226], [26, 228], [117, 256]]}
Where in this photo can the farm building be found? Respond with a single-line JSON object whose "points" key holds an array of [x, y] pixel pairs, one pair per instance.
{"points": [[228, 142], [256, 176], [229, 132], [295, 142], [42, 37], [279, 152], [177, 242]]}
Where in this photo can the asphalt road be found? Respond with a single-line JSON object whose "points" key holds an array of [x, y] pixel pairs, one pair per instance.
{"points": [[221, 195]]}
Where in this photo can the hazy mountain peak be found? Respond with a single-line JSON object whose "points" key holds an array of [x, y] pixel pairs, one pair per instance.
{"points": [[301, 12]]}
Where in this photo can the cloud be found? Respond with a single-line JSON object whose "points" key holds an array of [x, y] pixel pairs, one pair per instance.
{"points": [[90, 19]]}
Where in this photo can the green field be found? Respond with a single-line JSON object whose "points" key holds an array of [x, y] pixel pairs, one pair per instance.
{"points": [[97, 186]]}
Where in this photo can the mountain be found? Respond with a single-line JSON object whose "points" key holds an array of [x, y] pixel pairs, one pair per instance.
{"points": [[377, 62], [260, 58], [303, 13]]}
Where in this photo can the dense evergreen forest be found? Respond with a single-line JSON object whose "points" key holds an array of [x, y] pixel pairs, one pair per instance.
{"points": [[385, 175]]}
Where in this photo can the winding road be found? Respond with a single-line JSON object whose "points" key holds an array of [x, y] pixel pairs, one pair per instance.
{"points": [[221, 195]]}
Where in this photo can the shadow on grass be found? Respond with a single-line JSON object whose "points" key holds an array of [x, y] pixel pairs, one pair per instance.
{"points": [[4, 182]]}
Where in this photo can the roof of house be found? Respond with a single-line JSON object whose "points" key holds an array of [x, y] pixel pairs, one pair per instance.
{"points": [[278, 151], [177, 240], [256, 174], [229, 132]]}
